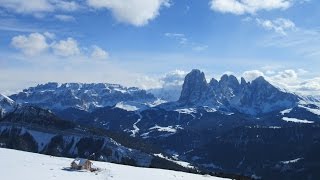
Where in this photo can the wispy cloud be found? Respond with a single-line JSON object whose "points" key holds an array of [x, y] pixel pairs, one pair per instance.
{"points": [[184, 40], [279, 25], [181, 38], [36, 7], [99, 53], [13, 25], [65, 18], [305, 42], [240, 7]]}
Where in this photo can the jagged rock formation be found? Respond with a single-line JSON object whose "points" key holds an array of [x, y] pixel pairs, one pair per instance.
{"points": [[255, 97]]}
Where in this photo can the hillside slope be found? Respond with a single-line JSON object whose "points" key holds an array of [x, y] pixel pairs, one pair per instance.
{"points": [[39, 167]]}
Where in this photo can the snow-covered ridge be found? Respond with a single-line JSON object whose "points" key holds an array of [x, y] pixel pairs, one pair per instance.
{"points": [[80, 95], [6, 105], [24, 165], [6, 98]]}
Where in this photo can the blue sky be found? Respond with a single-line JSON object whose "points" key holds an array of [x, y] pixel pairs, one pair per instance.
{"points": [[142, 42]]}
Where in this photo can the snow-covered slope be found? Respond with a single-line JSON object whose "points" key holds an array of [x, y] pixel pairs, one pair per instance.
{"points": [[19, 165], [80, 96]]}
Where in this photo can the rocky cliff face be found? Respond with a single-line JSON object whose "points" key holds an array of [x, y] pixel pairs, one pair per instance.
{"points": [[255, 97], [194, 88]]}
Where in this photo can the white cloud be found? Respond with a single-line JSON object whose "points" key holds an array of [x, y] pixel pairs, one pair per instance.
{"points": [[65, 5], [68, 47], [171, 80], [279, 25], [288, 74], [23, 6], [174, 78], [294, 80], [311, 85], [252, 75], [135, 12], [35, 44], [32, 44], [49, 35], [37, 7], [99, 53], [147, 82], [240, 7], [65, 18]]}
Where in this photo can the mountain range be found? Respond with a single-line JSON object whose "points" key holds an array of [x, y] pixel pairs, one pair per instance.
{"points": [[221, 126]]}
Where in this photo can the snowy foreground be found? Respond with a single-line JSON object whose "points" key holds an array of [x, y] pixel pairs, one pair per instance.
{"points": [[19, 165]]}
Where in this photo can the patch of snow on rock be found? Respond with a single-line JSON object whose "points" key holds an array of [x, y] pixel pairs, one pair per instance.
{"points": [[297, 120], [286, 111], [127, 107], [170, 129], [186, 110], [291, 161], [314, 111], [181, 163]]}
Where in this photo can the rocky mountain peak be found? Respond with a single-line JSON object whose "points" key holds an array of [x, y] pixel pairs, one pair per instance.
{"points": [[229, 81], [243, 81], [260, 80], [213, 82], [253, 98], [194, 87]]}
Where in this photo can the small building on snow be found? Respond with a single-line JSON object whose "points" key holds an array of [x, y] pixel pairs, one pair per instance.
{"points": [[79, 164]]}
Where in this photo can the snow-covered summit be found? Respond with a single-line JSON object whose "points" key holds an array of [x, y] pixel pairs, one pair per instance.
{"points": [[79, 95]]}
